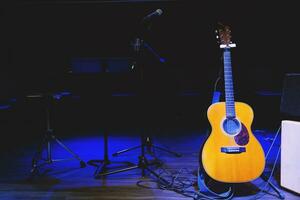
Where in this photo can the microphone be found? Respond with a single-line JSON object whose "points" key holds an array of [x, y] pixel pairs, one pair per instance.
{"points": [[158, 12]]}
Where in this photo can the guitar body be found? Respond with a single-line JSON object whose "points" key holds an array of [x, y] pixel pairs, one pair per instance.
{"points": [[232, 158]]}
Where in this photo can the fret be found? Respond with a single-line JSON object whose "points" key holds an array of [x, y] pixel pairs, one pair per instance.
{"points": [[230, 104], [229, 94]]}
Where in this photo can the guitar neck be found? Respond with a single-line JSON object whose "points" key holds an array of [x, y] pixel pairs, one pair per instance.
{"points": [[228, 81]]}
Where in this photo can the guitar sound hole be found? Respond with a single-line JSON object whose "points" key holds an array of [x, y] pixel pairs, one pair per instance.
{"points": [[231, 126]]}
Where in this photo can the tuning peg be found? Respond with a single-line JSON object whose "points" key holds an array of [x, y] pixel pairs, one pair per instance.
{"points": [[217, 33]]}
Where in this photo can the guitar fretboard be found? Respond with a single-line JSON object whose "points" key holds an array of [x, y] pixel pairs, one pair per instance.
{"points": [[229, 94]]}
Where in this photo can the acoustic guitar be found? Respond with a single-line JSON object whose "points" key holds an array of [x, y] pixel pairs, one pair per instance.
{"points": [[231, 154]]}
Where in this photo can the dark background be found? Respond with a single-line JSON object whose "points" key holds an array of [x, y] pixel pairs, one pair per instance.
{"points": [[38, 40]]}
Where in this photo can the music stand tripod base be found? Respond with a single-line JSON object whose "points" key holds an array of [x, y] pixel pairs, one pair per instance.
{"points": [[102, 165], [149, 145], [143, 164]]}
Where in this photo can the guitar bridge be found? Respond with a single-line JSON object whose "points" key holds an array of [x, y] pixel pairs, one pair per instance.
{"points": [[233, 150]]}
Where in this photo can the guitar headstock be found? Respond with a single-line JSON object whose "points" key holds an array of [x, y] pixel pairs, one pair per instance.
{"points": [[224, 36]]}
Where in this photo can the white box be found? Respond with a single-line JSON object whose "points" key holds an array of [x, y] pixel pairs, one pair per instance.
{"points": [[290, 155]]}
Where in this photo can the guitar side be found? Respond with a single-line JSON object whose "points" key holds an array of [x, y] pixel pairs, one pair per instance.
{"points": [[232, 167]]}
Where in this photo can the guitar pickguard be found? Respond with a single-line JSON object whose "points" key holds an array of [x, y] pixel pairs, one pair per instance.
{"points": [[243, 137]]}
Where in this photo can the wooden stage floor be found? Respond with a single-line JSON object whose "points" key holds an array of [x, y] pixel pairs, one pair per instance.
{"points": [[66, 180]]}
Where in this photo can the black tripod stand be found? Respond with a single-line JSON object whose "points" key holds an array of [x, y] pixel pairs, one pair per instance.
{"points": [[48, 138], [102, 165]]}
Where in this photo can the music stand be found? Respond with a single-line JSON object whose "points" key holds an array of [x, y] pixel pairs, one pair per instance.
{"points": [[138, 46], [146, 141], [102, 66]]}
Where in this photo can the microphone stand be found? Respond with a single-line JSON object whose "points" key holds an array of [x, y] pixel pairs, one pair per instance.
{"points": [[142, 161]]}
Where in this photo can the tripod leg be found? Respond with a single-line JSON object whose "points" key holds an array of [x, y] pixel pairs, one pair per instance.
{"points": [[38, 155], [142, 159], [117, 171], [126, 150], [82, 163], [265, 178], [49, 157], [100, 168], [105, 156], [142, 162]]}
